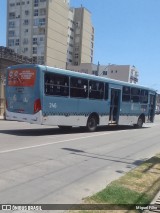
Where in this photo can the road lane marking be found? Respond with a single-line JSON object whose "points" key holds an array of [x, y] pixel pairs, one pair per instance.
{"points": [[57, 142]]}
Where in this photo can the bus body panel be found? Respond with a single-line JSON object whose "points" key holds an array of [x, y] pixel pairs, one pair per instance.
{"points": [[71, 111], [23, 89], [29, 118]]}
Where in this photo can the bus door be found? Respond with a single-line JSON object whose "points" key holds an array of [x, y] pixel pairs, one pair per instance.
{"points": [[114, 106], [152, 102]]}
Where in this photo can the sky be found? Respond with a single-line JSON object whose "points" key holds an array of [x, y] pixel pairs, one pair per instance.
{"points": [[127, 32]]}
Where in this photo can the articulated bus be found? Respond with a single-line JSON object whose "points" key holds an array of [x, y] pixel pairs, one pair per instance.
{"points": [[51, 96]]}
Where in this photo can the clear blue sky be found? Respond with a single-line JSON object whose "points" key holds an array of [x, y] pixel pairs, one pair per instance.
{"points": [[126, 32]]}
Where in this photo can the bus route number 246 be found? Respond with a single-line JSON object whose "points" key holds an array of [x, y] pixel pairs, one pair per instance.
{"points": [[52, 105]]}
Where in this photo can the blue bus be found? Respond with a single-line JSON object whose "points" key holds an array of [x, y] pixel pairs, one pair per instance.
{"points": [[51, 96]]}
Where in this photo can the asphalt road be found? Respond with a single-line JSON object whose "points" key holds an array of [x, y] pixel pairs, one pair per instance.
{"points": [[40, 164]]}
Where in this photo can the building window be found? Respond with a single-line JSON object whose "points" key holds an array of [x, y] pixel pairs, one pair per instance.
{"points": [[12, 4], [41, 39], [18, 4], [11, 24], [77, 24], [76, 49], [11, 42], [35, 12], [12, 15], [11, 33], [25, 49], [42, 12], [41, 31], [35, 3], [34, 50], [17, 42], [26, 12], [26, 31], [76, 55], [104, 72], [26, 22], [34, 41], [71, 29], [35, 31], [36, 22], [40, 59], [42, 21], [25, 41], [92, 45], [71, 45], [95, 72]]}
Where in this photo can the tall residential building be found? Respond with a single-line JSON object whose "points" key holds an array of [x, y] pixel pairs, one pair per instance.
{"points": [[80, 37], [50, 31], [39, 28]]}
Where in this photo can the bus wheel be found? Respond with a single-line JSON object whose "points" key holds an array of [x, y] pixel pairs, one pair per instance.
{"points": [[92, 124], [139, 122], [65, 127]]}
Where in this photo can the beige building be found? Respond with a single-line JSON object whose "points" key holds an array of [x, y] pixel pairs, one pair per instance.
{"points": [[80, 37], [38, 28], [50, 31], [126, 73]]}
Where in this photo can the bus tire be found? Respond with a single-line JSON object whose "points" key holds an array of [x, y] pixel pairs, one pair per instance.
{"points": [[139, 122], [65, 128], [92, 123]]}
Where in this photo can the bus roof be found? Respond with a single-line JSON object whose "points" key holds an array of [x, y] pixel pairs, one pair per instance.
{"points": [[78, 74]]}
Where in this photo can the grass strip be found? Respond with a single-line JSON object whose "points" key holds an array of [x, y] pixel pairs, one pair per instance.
{"points": [[138, 187]]}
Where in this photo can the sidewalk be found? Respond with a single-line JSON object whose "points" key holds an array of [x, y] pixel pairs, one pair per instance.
{"points": [[1, 117]]}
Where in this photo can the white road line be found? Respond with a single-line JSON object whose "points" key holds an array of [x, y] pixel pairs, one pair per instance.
{"points": [[61, 141]]}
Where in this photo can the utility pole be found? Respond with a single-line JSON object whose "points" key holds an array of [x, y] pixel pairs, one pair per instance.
{"points": [[98, 68]]}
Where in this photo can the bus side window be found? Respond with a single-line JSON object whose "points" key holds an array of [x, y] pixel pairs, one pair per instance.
{"points": [[79, 87], [96, 90], [46, 83], [144, 96], [135, 95], [106, 91], [58, 84], [126, 94]]}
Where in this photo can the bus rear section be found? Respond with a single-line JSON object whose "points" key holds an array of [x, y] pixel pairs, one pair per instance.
{"points": [[22, 94]]}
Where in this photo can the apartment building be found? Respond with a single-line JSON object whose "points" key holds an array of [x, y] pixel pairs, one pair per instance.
{"points": [[50, 31], [39, 28], [80, 37], [126, 73]]}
